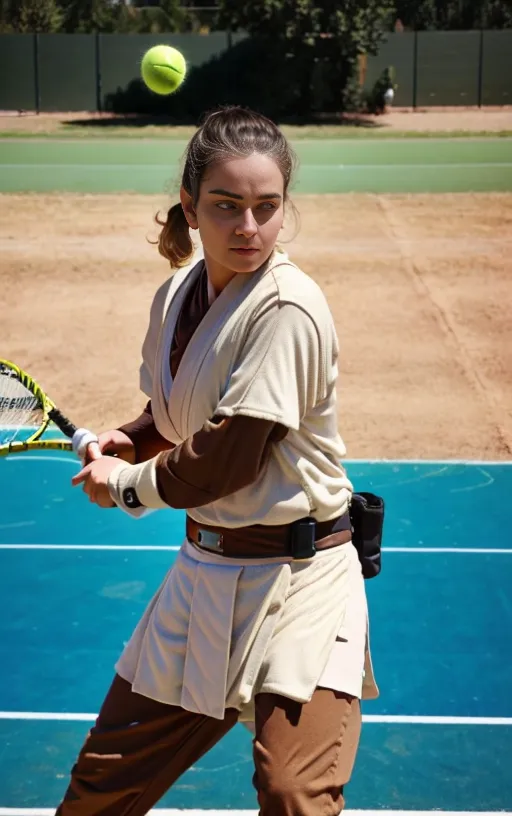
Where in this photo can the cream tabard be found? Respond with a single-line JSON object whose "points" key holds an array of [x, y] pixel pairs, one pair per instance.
{"points": [[220, 630], [266, 348], [217, 633]]}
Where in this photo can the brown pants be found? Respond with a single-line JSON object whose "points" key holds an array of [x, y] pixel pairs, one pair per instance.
{"points": [[303, 753]]}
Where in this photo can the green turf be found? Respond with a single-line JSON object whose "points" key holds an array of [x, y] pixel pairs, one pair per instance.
{"points": [[151, 166], [293, 132]]}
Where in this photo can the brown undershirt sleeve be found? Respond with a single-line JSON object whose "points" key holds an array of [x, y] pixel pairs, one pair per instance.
{"points": [[147, 440], [224, 456]]}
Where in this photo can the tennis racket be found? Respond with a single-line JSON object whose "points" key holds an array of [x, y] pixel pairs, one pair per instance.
{"points": [[26, 412]]}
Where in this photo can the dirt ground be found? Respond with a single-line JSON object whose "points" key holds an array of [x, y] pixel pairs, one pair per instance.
{"points": [[434, 120], [482, 120], [420, 287]]}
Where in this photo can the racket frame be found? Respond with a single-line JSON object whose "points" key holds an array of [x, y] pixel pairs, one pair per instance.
{"points": [[50, 414]]}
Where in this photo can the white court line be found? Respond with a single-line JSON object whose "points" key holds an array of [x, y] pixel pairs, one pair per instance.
{"points": [[355, 140], [316, 167], [406, 166], [463, 550], [121, 547], [173, 548], [478, 462], [25, 457], [404, 719], [487, 462], [390, 719], [172, 812]]}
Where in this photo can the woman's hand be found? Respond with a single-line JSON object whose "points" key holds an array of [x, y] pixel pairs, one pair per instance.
{"points": [[94, 478], [113, 443], [101, 459]]}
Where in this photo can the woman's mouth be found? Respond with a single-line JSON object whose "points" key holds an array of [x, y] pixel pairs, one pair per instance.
{"points": [[245, 250]]}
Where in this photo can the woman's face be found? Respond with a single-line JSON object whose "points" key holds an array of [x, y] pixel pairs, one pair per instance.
{"points": [[239, 214]]}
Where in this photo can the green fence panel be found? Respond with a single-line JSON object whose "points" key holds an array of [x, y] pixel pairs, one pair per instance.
{"points": [[397, 51], [120, 55], [448, 67], [67, 72], [497, 68], [17, 69], [452, 68]]}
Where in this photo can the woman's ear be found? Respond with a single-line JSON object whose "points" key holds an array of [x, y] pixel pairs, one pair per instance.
{"points": [[188, 208]]}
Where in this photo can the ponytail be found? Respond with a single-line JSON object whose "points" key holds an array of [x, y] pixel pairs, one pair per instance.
{"points": [[174, 241]]}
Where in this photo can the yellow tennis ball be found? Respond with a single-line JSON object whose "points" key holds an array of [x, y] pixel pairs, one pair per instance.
{"points": [[163, 69]]}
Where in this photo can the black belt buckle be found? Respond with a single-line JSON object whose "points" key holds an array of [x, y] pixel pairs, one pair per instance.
{"points": [[302, 538]]}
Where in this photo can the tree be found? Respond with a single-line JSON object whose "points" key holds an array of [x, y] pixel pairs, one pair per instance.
{"points": [[454, 14], [85, 16], [417, 14], [497, 14], [176, 16], [314, 32], [5, 16], [28, 16], [122, 17]]}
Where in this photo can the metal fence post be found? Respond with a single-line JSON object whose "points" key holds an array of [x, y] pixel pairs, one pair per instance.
{"points": [[415, 72], [481, 68], [97, 68], [36, 73]]}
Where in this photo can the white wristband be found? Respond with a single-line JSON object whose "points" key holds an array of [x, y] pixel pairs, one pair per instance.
{"points": [[82, 438]]}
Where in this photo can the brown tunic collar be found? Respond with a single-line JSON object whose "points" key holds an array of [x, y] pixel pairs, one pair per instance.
{"points": [[192, 312]]}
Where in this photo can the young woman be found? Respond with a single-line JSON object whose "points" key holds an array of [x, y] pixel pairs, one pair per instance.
{"points": [[263, 616]]}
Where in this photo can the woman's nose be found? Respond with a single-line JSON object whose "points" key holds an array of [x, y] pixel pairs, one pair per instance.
{"points": [[247, 224]]}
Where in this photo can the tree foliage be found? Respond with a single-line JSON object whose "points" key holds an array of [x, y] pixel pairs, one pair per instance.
{"points": [[83, 16], [355, 25], [86, 16], [27, 16], [319, 36], [454, 14]]}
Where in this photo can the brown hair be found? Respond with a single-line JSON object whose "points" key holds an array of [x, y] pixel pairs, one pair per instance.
{"points": [[225, 133]]}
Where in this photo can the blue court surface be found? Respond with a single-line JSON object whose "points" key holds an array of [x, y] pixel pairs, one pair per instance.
{"points": [[76, 579]]}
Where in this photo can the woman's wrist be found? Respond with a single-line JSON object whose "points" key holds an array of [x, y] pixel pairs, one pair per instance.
{"points": [[132, 486]]}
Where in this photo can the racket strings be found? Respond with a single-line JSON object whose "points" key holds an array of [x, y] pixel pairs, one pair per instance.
{"points": [[20, 410]]}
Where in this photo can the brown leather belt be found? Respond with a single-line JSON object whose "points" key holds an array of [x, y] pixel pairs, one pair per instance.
{"points": [[265, 541]]}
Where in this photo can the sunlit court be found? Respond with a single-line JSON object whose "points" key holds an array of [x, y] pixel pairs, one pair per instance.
{"points": [[79, 578], [404, 220]]}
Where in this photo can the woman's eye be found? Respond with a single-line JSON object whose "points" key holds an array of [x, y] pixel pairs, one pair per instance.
{"points": [[229, 205]]}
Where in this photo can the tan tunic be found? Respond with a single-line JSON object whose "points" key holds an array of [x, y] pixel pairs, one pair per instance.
{"points": [[225, 455], [267, 349], [216, 633]]}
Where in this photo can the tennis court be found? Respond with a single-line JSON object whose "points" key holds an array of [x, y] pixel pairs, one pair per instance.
{"points": [[76, 580], [411, 242], [430, 165]]}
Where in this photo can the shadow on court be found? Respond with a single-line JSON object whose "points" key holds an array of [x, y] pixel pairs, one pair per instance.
{"points": [[119, 121]]}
